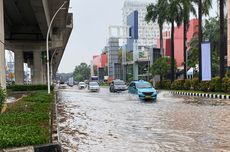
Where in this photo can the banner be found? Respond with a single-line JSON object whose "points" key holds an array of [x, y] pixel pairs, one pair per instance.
{"points": [[206, 61]]}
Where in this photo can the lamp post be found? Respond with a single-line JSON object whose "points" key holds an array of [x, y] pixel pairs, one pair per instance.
{"points": [[47, 45]]}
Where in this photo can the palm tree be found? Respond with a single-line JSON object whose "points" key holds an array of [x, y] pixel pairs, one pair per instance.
{"points": [[157, 13], [188, 7], [222, 46], [175, 14]]}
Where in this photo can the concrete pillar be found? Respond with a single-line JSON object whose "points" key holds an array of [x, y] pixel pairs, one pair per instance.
{"points": [[135, 71], [135, 59], [44, 73], [19, 68], [228, 7], [2, 48], [37, 68]]}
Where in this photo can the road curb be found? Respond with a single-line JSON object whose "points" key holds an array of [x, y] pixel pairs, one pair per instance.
{"points": [[204, 95], [39, 148]]}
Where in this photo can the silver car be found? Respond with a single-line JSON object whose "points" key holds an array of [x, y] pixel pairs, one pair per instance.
{"points": [[117, 86], [81, 85], [93, 87]]}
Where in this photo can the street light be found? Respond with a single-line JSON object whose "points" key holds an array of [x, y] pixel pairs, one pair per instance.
{"points": [[47, 45]]}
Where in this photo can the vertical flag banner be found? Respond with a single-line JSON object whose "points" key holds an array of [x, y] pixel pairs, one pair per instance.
{"points": [[206, 61]]}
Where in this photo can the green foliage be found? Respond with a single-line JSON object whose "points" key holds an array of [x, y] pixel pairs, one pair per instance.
{"points": [[41, 97], [216, 84], [17, 136], [27, 121], [161, 67], [166, 84], [212, 34], [157, 13], [187, 84], [28, 87], [193, 53], [177, 85], [82, 72], [226, 85], [2, 96], [204, 86], [195, 84]]}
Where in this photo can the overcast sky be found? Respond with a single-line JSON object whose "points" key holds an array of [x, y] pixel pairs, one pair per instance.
{"points": [[91, 21]]}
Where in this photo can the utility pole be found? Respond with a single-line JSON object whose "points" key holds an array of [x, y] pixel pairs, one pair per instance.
{"points": [[200, 38], [222, 41]]}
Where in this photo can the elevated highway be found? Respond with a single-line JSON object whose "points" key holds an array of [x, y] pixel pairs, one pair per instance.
{"points": [[23, 28]]}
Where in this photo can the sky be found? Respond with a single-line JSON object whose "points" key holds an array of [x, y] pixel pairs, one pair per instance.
{"points": [[91, 21]]}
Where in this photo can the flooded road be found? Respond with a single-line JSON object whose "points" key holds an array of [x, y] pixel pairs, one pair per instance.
{"points": [[108, 122]]}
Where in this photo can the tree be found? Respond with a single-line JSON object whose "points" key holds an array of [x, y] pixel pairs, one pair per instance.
{"points": [[161, 67], [157, 13], [175, 14], [210, 33], [188, 7], [222, 37], [203, 8], [82, 72]]}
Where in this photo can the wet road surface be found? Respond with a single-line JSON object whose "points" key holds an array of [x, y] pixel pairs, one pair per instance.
{"points": [[108, 122]]}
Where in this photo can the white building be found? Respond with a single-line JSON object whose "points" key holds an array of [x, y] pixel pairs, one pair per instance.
{"points": [[148, 33]]}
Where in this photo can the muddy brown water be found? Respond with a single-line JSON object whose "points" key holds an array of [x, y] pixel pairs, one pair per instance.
{"points": [[108, 122]]}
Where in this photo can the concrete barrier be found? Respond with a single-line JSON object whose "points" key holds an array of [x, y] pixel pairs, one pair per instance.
{"points": [[40, 148]]}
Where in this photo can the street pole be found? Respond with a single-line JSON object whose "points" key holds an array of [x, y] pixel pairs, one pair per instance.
{"points": [[47, 45], [200, 39]]}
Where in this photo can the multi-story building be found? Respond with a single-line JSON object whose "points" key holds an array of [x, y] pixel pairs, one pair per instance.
{"points": [[147, 32], [178, 40], [99, 65]]}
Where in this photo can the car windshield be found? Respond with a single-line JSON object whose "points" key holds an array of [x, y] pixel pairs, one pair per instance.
{"points": [[81, 83], [119, 83], [93, 84], [143, 85]]}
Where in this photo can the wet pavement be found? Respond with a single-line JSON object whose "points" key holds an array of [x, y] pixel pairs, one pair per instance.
{"points": [[119, 122]]}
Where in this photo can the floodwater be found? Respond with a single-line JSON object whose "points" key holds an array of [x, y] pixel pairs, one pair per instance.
{"points": [[119, 122]]}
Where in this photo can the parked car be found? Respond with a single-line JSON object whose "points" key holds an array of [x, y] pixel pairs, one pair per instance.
{"points": [[93, 86], [143, 89], [117, 85], [81, 85]]}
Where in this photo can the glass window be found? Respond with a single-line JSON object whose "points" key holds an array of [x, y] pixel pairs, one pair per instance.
{"points": [[144, 85]]}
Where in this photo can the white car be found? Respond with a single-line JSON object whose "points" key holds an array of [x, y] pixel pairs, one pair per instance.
{"points": [[81, 85], [94, 87]]}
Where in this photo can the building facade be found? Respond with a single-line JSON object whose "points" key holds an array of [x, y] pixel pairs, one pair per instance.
{"points": [[148, 33], [113, 56], [100, 64], [179, 41]]}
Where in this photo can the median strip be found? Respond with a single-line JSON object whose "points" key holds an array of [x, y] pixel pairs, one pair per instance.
{"points": [[203, 95]]}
